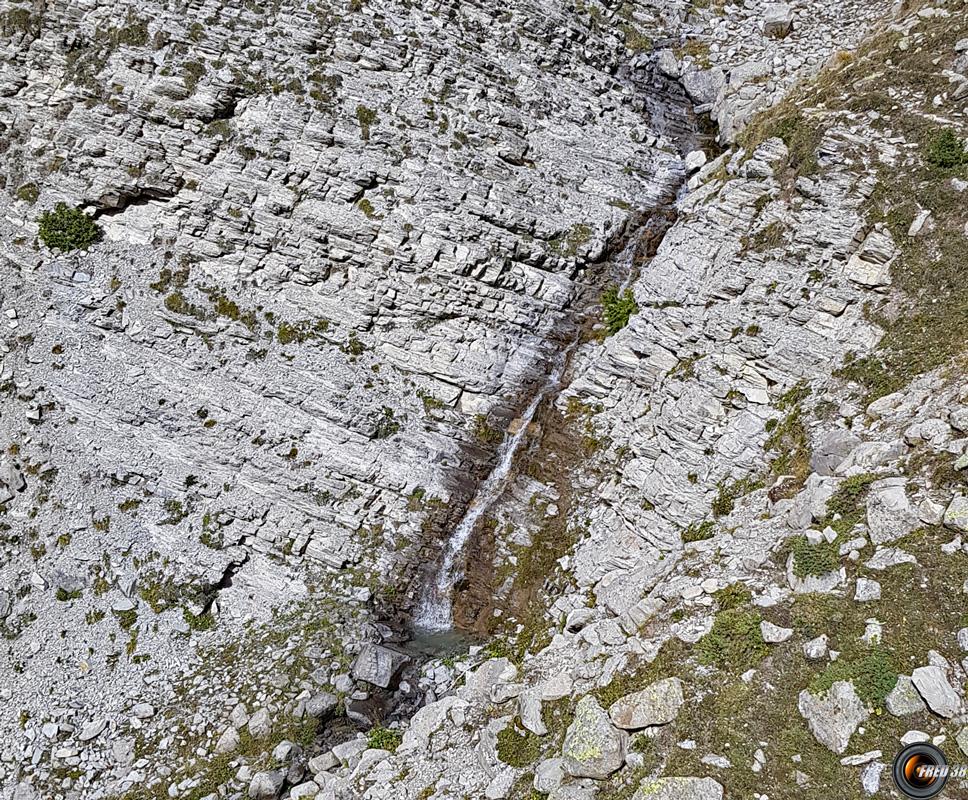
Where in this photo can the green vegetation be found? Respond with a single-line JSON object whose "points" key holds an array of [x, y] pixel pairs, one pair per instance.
{"points": [[63, 595], [381, 738], [790, 444], [484, 432], [872, 673], [768, 238], [735, 642], [847, 503], [698, 531], [67, 228], [731, 491], [617, 309], [569, 244], [814, 559], [28, 193], [518, 749], [366, 117], [386, 424], [945, 150]]}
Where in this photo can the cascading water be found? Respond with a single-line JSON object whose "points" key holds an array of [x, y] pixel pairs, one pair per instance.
{"points": [[434, 612]]}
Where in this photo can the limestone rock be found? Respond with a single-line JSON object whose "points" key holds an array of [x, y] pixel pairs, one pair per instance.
{"points": [[890, 514], [774, 634], [933, 686], [657, 704], [834, 715], [266, 785], [378, 665], [593, 748], [777, 20], [956, 515], [904, 699]]}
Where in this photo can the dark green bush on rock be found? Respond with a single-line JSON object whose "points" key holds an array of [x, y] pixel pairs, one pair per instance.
{"points": [[617, 308], [67, 228], [944, 149]]}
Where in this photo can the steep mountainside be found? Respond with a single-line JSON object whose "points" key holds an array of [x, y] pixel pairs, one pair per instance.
{"points": [[714, 254]]}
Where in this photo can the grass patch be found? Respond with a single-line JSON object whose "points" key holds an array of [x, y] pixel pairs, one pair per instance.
{"points": [[381, 738], [731, 491], [735, 643], [814, 559], [518, 748], [698, 531]]}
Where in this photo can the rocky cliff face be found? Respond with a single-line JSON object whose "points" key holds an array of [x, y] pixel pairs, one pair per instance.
{"points": [[341, 249]]}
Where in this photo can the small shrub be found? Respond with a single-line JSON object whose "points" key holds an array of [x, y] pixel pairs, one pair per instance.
{"points": [[386, 424], [873, 674], [381, 738], [28, 193], [617, 309], [67, 228], [63, 595], [945, 150], [814, 559], [367, 117], [698, 531], [735, 642], [733, 596], [730, 492]]}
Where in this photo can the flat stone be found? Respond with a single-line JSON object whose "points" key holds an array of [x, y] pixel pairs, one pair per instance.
{"points": [[774, 634], [679, 789], [933, 686], [657, 704], [92, 730]]}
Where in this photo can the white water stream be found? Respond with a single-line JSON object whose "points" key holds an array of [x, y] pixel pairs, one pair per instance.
{"points": [[434, 613]]}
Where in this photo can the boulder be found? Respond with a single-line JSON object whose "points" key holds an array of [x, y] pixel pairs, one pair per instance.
{"points": [[593, 747], [834, 715], [777, 20], [260, 724], [932, 684], [832, 449], [890, 514], [679, 789], [378, 665], [657, 704], [266, 785], [867, 590], [229, 741], [956, 515]]}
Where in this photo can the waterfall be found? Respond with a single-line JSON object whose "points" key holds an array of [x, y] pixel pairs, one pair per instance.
{"points": [[434, 613]]}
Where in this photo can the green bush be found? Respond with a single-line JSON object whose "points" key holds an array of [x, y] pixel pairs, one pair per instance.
{"points": [[729, 493], [617, 308], [944, 149], [735, 642], [814, 559], [67, 228], [698, 531], [381, 738]]}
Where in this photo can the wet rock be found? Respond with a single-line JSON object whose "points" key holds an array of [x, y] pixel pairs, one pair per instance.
{"points": [[593, 747], [834, 715], [657, 704]]}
